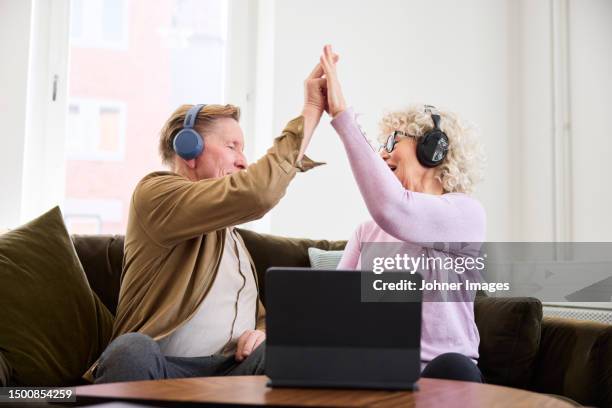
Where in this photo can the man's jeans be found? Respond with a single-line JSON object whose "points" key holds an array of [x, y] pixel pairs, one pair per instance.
{"points": [[135, 356]]}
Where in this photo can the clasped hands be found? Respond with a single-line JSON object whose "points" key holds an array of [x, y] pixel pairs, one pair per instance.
{"points": [[322, 90]]}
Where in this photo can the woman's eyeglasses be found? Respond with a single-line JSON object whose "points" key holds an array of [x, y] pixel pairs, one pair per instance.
{"points": [[392, 140]]}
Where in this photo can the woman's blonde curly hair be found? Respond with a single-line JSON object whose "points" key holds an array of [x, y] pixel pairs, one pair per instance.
{"points": [[462, 168]]}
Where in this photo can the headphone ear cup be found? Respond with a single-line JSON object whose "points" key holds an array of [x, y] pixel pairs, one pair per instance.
{"points": [[188, 144], [432, 148]]}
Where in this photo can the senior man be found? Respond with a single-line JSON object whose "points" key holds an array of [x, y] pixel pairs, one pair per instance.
{"points": [[188, 304]]}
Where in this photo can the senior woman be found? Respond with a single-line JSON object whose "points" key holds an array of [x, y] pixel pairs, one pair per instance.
{"points": [[417, 194]]}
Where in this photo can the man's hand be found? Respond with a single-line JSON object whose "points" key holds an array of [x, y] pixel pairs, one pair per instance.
{"points": [[315, 102], [315, 92], [247, 342]]}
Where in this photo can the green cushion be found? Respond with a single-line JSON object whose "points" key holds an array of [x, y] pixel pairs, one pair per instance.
{"points": [[321, 259], [52, 325]]}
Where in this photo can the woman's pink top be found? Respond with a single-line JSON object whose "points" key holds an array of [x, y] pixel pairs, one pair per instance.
{"points": [[401, 215]]}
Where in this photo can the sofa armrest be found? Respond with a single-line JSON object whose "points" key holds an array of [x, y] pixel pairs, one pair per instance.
{"points": [[5, 372], [575, 360]]}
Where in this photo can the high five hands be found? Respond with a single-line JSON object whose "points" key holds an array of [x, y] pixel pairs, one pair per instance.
{"points": [[315, 90], [335, 103], [322, 92]]}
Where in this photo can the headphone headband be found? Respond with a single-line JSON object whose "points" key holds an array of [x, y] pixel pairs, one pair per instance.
{"points": [[435, 115], [192, 115]]}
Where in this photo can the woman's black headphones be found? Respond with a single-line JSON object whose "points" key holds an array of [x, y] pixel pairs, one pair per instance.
{"points": [[432, 148]]}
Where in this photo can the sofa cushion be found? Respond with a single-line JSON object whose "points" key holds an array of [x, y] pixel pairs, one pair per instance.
{"points": [[270, 250], [509, 338], [53, 326], [321, 259], [102, 260]]}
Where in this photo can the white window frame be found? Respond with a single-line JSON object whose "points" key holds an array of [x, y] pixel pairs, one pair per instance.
{"points": [[46, 108]]}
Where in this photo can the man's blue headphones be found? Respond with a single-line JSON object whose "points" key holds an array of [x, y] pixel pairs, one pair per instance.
{"points": [[188, 143]]}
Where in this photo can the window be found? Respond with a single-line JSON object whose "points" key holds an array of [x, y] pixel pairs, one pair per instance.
{"points": [[85, 224], [95, 130], [99, 24], [92, 216], [120, 94]]}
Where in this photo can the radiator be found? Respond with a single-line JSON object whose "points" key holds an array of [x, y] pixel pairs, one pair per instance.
{"points": [[597, 315]]}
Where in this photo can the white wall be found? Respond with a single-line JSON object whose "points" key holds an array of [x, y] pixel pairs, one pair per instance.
{"points": [[590, 51], [532, 140], [564, 95], [14, 49], [533, 75], [393, 53]]}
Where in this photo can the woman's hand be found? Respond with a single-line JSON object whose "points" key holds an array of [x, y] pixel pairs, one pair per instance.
{"points": [[335, 100]]}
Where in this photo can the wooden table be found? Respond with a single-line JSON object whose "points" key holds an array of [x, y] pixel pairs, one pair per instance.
{"points": [[252, 390]]}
